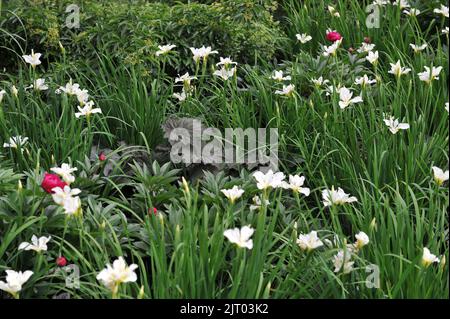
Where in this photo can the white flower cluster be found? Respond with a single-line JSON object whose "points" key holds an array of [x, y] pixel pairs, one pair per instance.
{"points": [[66, 197]]}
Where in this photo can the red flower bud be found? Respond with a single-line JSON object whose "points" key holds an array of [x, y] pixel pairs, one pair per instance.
{"points": [[367, 40], [333, 36], [61, 261], [155, 211], [51, 181], [102, 157]]}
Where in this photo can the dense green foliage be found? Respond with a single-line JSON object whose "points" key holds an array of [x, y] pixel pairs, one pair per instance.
{"points": [[180, 249], [129, 33]]}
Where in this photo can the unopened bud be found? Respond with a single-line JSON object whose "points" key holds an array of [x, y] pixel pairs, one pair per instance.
{"points": [[185, 185], [63, 51], [141, 294], [14, 91], [373, 224], [443, 262]]}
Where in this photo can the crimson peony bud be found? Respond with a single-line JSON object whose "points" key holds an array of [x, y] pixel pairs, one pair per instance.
{"points": [[51, 181], [61, 261], [102, 157], [333, 36]]}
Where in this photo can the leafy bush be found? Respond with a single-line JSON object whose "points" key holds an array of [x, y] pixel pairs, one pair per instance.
{"points": [[239, 28], [368, 146]]}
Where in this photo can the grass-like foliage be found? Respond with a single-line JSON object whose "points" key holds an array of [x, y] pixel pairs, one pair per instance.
{"points": [[92, 207]]}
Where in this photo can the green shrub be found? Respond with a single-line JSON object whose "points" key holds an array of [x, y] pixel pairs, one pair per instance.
{"points": [[242, 29]]}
